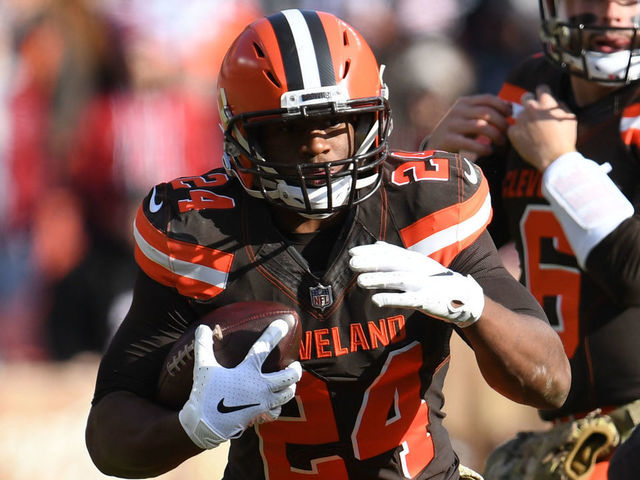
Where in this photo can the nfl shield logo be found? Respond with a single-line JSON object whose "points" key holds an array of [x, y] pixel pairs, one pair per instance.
{"points": [[321, 297]]}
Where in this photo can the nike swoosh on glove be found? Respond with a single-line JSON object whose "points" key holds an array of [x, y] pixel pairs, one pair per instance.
{"points": [[420, 283], [225, 401]]}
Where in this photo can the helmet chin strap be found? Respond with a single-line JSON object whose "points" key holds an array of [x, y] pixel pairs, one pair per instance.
{"points": [[319, 197], [614, 64], [608, 66]]}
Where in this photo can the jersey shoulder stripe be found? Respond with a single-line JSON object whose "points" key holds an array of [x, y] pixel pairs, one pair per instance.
{"points": [[194, 270], [439, 202], [512, 94], [444, 233], [526, 76], [630, 125]]}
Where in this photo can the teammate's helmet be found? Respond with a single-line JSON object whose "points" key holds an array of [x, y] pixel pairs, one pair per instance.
{"points": [[300, 64], [585, 39]]}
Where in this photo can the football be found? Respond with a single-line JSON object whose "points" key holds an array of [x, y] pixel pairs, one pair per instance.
{"points": [[235, 327]]}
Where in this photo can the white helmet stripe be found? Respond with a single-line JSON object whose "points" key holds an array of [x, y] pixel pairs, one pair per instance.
{"points": [[304, 46]]}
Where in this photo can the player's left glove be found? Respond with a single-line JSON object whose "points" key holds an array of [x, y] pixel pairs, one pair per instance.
{"points": [[421, 283], [225, 401]]}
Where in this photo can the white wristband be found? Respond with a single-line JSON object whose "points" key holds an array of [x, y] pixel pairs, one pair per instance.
{"points": [[586, 202], [197, 428]]}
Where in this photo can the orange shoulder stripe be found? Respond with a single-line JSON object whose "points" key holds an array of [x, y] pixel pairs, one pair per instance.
{"points": [[512, 94], [445, 233], [630, 125], [194, 270]]}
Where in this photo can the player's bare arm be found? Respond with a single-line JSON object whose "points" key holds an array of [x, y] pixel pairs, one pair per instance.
{"points": [[131, 437], [507, 346]]}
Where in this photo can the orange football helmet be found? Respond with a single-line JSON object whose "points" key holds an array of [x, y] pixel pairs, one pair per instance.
{"points": [[300, 64]]}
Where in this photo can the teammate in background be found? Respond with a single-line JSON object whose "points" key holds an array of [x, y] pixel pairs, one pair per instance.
{"points": [[625, 462], [384, 255], [560, 149]]}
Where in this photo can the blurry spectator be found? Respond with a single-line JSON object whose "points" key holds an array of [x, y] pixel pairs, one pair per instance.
{"points": [[163, 125], [497, 34], [84, 132], [424, 81], [45, 68], [441, 18]]}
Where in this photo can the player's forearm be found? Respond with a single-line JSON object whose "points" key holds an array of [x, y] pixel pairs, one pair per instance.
{"points": [[130, 437], [507, 346]]}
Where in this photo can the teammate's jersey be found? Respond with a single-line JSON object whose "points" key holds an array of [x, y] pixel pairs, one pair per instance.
{"points": [[370, 402], [597, 312]]}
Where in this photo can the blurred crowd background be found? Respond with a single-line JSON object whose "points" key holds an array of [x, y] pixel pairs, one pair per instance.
{"points": [[101, 99]]}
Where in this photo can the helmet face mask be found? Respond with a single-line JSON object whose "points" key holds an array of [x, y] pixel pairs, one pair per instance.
{"points": [[588, 41], [261, 89]]}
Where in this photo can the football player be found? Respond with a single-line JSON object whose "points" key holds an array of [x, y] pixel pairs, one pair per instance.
{"points": [[384, 255], [559, 145]]}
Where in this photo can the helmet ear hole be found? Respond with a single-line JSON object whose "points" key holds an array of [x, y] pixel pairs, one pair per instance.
{"points": [[346, 67], [272, 78], [258, 50]]}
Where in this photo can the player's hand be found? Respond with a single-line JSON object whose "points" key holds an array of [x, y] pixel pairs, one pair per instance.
{"points": [[544, 129], [419, 282], [225, 401], [472, 125]]}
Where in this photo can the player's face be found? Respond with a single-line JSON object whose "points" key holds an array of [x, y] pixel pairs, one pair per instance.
{"points": [[604, 13], [613, 13], [308, 141]]}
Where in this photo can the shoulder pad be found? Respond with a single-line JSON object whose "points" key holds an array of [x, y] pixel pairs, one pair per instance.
{"points": [[440, 202], [175, 229]]}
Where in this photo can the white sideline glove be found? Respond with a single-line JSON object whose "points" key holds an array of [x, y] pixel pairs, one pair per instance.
{"points": [[225, 401], [423, 283]]}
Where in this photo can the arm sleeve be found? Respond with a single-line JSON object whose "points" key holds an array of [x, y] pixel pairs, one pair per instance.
{"points": [[614, 263], [482, 261], [157, 318]]}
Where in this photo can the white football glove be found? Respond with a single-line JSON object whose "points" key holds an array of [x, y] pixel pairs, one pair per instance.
{"points": [[225, 401], [423, 283]]}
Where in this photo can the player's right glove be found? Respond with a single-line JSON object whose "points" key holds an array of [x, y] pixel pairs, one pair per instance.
{"points": [[413, 280], [225, 401]]}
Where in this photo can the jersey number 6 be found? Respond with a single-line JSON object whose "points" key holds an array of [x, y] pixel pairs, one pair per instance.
{"points": [[551, 272]]}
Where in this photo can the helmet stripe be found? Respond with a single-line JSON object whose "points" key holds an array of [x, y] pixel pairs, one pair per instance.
{"points": [[306, 56], [286, 42], [321, 47], [304, 45]]}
